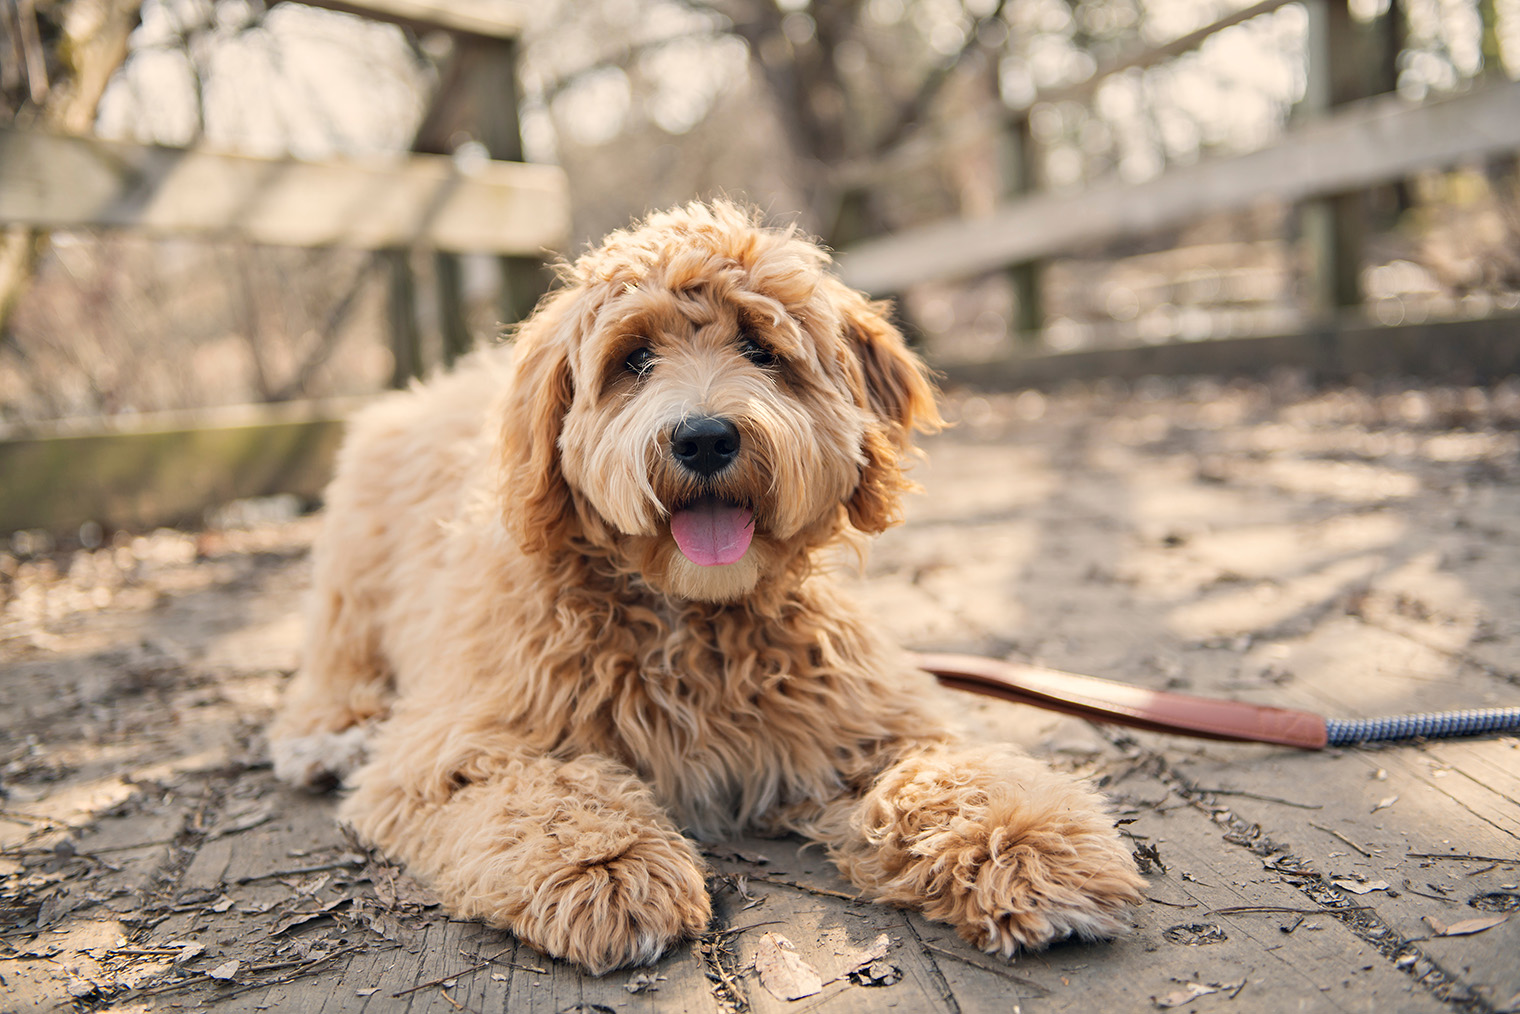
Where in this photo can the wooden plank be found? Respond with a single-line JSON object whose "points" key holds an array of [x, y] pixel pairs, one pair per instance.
{"points": [[58, 182], [482, 18], [1339, 824], [1318, 963], [788, 888], [1370, 142], [1468, 351], [168, 470]]}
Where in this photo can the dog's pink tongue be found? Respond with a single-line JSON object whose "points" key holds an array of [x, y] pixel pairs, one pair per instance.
{"points": [[710, 533]]}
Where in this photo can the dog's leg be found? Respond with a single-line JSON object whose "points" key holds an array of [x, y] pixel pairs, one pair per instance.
{"points": [[1008, 851], [318, 737], [574, 857]]}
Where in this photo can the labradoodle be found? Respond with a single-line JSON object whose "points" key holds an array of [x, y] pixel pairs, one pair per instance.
{"points": [[569, 610]]}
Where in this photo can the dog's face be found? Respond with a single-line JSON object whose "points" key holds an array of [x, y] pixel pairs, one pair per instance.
{"points": [[705, 403]]}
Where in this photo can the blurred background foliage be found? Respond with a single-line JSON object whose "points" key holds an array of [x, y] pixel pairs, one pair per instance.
{"points": [[853, 118]]}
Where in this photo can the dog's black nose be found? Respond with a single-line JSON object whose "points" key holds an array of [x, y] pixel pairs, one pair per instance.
{"points": [[705, 444]]}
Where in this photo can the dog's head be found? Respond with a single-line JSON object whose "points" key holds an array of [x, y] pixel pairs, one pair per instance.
{"points": [[705, 403]]}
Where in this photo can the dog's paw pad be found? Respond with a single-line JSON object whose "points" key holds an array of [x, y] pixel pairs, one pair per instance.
{"points": [[320, 760]]}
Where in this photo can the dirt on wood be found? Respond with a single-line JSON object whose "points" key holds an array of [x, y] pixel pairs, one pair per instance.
{"points": [[1353, 552]]}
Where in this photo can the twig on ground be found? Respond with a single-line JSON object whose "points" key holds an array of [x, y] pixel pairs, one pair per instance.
{"points": [[455, 1003], [1342, 837], [1512, 861], [1280, 910], [1171, 904], [304, 970], [1257, 795], [342, 864], [985, 966], [445, 978], [822, 891], [736, 930], [1433, 897]]}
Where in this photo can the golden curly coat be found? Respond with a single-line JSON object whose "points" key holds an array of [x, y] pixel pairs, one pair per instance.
{"points": [[567, 613]]}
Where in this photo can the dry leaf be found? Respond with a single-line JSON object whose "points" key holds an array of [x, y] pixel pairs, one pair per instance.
{"points": [[1361, 886], [1385, 803], [188, 950], [226, 970], [644, 982], [80, 988], [245, 819], [1466, 927], [1185, 995], [875, 952], [782, 971]]}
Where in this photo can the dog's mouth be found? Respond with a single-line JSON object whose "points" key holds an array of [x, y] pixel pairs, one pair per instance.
{"points": [[711, 532]]}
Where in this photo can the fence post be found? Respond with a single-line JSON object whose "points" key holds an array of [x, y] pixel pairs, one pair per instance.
{"points": [[1333, 227], [401, 309], [448, 281], [478, 98], [523, 279], [1021, 176]]}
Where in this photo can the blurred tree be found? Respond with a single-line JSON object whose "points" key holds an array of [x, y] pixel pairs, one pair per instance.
{"points": [[56, 58], [834, 88], [105, 322]]}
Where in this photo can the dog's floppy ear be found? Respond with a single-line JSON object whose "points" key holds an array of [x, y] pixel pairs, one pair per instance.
{"points": [[536, 503], [895, 388]]}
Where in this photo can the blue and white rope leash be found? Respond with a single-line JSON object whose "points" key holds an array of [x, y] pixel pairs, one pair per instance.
{"points": [[1426, 725]]}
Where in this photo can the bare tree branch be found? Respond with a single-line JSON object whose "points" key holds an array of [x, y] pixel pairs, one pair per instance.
{"points": [[915, 109]]}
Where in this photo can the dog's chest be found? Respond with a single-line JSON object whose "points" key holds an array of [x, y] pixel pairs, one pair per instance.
{"points": [[729, 739]]}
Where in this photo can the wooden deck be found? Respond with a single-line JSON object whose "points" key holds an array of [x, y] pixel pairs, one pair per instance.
{"points": [[1342, 552]]}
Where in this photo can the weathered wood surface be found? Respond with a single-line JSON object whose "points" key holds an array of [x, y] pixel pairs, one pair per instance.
{"points": [[53, 181], [485, 19], [1348, 553], [1479, 351], [1371, 142], [167, 468]]}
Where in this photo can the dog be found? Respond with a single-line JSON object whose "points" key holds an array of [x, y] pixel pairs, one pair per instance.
{"points": [[571, 612]]}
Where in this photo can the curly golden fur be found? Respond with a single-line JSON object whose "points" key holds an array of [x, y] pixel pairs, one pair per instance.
{"points": [[553, 693]]}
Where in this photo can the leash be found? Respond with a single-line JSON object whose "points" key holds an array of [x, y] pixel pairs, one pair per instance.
{"points": [[1203, 717]]}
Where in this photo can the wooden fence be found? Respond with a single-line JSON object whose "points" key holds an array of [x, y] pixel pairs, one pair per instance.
{"points": [[168, 468], [1376, 141], [1347, 138]]}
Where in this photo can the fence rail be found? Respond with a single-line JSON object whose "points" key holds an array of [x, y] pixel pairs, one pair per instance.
{"points": [[1374, 141], [53, 181], [168, 469]]}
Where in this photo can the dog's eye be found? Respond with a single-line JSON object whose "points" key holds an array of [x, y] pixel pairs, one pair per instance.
{"points": [[756, 353], [640, 361]]}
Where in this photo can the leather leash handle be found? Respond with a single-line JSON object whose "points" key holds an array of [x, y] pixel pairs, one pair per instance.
{"points": [[1122, 704]]}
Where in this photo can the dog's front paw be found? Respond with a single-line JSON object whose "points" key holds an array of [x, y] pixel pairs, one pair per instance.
{"points": [[1012, 884], [320, 760], [613, 897], [1011, 854]]}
